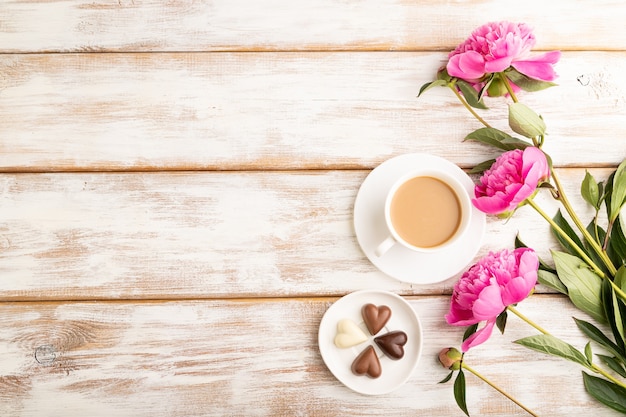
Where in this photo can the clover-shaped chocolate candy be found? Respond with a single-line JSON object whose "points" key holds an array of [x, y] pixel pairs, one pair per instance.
{"points": [[392, 343]]}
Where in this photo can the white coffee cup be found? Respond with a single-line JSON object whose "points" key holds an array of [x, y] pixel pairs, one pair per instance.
{"points": [[425, 211]]}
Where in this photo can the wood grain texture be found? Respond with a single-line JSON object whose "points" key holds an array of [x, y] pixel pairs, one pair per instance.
{"points": [[177, 181], [250, 111], [218, 25], [207, 235], [252, 358]]}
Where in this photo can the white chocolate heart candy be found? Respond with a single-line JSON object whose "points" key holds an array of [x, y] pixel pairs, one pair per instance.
{"points": [[349, 334]]}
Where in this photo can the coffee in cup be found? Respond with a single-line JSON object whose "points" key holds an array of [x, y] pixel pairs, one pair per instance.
{"points": [[425, 211]]}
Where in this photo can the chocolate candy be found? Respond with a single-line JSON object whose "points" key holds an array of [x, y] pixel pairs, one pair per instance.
{"points": [[375, 318], [367, 363], [349, 334], [392, 344]]}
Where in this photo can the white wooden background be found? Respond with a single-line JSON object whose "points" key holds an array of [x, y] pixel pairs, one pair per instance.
{"points": [[177, 181]]}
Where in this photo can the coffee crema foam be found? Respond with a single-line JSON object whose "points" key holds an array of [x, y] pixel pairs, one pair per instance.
{"points": [[425, 212]]}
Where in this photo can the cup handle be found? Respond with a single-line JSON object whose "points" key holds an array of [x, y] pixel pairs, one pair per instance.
{"points": [[384, 246]]}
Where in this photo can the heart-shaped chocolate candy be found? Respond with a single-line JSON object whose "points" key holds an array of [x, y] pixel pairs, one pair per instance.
{"points": [[349, 334], [367, 363], [375, 317], [392, 344]]}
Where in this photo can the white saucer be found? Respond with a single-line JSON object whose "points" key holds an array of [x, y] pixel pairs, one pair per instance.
{"points": [[399, 262], [339, 361]]}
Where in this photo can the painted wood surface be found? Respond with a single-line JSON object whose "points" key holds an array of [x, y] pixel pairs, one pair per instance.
{"points": [[177, 181], [217, 25], [259, 111], [253, 358], [206, 235]]}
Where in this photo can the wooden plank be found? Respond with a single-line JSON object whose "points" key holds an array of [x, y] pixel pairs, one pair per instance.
{"points": [[278, 111], [248, 358], [206, 235], [218, 25]]}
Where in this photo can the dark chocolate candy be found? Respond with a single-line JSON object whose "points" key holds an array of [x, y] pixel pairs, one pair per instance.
{"points": [[392, 344]]}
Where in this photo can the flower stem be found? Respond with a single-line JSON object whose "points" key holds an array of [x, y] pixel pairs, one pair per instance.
{"points": [[467, 106], [492, 385], [507, 84], [592, 242], [569, 240], [607, 376], [526, 319]]}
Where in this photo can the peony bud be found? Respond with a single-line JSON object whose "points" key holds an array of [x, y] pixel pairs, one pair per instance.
{"points": [[451, 358], [523, 120]]}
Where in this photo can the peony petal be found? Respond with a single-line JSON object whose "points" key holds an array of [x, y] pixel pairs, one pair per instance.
{"points": [[528, 260], [539, 67], [458, 316], [489, 303], [479, 337], [468, 65], [491, 205], [521, 286], [516, 290], [522, 194], [498, 65], [534, 159]]}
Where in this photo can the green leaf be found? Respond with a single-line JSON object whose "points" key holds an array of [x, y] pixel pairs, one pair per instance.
{"points": [[459, 392], [523, 120], [620, 278], [547, 185], [618, 315], [590, 191], [429, 85], [526, 83], [447, 378], [588, 352], [583, 285], [496, 138], [595, 334], [470, 331], [442, 74], [618, 195], [608, 192], [598, 235], [551, 280], [608, 393], [617, 242], [485, 87], [569, 231], [614, 364], [519, 243], [501, 321], [470, 95], [482, 167], [551, 345], [612, 308]]}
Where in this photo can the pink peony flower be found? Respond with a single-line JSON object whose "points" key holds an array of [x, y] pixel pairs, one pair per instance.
{"points": [[512, 178], [497, 46], [488, 287]]}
